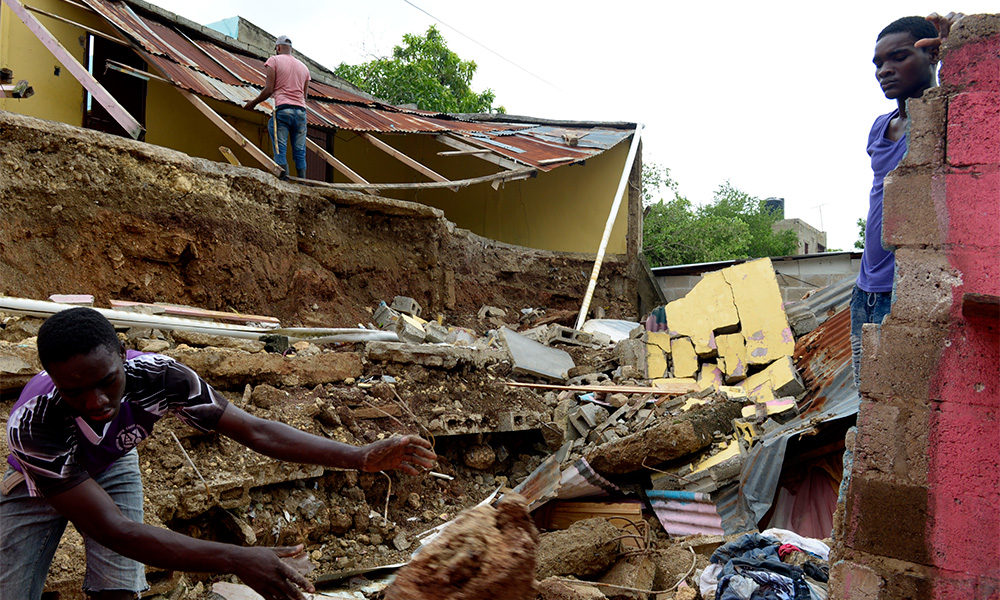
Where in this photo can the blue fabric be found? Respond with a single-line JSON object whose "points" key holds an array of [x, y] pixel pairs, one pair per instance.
{"points": [[291, 123], [30, 530], [866, 307], [877, 263], [756, 556]]}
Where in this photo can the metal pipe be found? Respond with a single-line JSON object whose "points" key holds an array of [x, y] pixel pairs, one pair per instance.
{"points": [[608, 226]]}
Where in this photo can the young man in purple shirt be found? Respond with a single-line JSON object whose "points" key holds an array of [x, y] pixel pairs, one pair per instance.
{"points": [[72, 436], [906, 56]]}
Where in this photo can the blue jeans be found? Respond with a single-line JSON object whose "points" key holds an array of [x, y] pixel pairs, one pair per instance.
{"points": [[866, 307], [291, 121], [30, 530]]}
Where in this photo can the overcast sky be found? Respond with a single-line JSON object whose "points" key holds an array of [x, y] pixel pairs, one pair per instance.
{"points": [[776, 97]]}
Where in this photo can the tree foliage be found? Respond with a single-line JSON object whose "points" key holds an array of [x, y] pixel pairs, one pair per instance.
{"points": [[860, 242], [734, 225], [423, 71]]}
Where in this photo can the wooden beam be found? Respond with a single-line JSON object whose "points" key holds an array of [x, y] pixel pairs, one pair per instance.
{"points": [[333, 162], [230, 156], [457, 183], [462, 152], [458, 143], [89, 30], [81, 6], [258, 154], [103, 97], [406, 160]]}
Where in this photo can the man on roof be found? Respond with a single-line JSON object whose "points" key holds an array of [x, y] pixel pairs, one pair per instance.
{"points": [[72, 436], [288, 81], [906, 58]]}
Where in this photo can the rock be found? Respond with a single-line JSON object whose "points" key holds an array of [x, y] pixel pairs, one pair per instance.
{"points": [[672, 563], [413, 501], [632, 571], [196, 339], [686, 593], [156, 346], [587, 548], [554, 589], [400, 542], [479, 457], [485, 554], [227, 368], [265, 396]]}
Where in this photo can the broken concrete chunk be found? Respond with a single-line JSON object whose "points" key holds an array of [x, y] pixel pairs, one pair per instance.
{"points": [[200, 340], [406, 305], [780, 378], [568, 335], [732, 356], [490, 311], [762, 315], [531, 358], [657, 352], [385, 317], [436, 334], [709, 306], [558, 589], [685, 359], [586, 548], [635, 572], [710, 376], [446, 357], [410, 332], [226, 368]]}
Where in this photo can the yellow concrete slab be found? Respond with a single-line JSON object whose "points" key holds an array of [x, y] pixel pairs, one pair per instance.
{"points": [[707, 307], [685, 359], [709, 376], [762, 316], [732, 450], [676, 382], [656, 361], [732, 356]]}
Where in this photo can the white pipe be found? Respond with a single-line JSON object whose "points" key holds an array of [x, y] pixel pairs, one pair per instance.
{"points": [[609, 225], [121, 318]]}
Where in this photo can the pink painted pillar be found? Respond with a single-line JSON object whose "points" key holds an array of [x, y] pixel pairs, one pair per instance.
{"points": [[922, 515]]}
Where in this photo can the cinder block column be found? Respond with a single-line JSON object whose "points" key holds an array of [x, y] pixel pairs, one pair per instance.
{"points": [[922, 516]]}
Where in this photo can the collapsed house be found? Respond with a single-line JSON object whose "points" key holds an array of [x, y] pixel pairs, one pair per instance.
{"points": [[161, 228]]}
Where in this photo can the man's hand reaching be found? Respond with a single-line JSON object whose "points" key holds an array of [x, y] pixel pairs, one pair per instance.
{"points": [[272, 577], [408, 454], [943, 25]]}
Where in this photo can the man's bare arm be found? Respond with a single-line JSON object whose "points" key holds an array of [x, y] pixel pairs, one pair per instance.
{"points": [[408, 453], [94, 513], [266, 92]]}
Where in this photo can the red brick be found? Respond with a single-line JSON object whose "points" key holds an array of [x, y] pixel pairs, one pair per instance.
{"points": [[974, 129], [973, 66], [914, 208], [973, 208]]}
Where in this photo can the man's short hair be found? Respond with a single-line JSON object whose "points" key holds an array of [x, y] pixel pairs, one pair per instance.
{"points": [[918, 27], [74, 332]]}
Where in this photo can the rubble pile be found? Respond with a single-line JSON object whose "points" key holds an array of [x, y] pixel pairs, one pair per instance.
{"points": [[567, 416]]}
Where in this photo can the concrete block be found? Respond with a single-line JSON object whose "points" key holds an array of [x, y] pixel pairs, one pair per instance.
{"points": [[707, 307], [899, 361], [568, 335], [733, 355], [409, 332], [685, 359], [926, 137], [913, 209], [533, 358], [887, 518], [967, 372], [924, 283], [855, 581], [971, 59], [436, 334], [964, 489], [406, 305], [892, 441], [385, 317], [974, 129], [973, 209], [762, 316]]}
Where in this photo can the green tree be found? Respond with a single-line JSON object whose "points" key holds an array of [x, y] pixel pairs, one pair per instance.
{"points": [[735, 225], [423, 71], [860, 242]]}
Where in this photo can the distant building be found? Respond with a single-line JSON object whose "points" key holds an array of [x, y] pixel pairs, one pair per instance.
{"points": [[811, 240]]}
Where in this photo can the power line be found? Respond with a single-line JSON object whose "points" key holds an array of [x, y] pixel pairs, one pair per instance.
{"points": [[483, 46]]}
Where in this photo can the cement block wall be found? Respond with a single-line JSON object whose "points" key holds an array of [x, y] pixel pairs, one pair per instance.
{"points": [[922, 515]]}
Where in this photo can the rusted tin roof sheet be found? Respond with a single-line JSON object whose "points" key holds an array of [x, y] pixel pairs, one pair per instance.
{"points": [[208, 69]]}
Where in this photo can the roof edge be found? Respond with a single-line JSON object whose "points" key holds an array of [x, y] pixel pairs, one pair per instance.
{"points": [[505, 118]]}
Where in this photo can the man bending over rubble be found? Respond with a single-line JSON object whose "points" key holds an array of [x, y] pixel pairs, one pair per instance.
{"points": [[73, 434], [906, 56]]}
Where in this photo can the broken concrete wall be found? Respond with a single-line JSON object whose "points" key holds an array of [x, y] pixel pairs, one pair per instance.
{"points": [[92, 213], [922, 516]]}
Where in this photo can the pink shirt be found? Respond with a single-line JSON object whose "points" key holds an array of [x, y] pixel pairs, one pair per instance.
{"points": [[290, 77]]}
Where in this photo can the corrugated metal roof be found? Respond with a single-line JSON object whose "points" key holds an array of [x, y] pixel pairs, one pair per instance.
{"points": [[208, 69]]}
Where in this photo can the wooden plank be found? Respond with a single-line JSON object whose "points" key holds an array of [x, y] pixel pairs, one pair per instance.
{"points": [[230, 131], [406, 160], [671, 389], [230, 156], [190, 311], [459, 183], [453, 141], [99, 34], [333, 162], [103, 97], [560, 514], [462, 152]]}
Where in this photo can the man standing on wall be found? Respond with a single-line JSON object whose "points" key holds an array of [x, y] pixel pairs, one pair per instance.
{"points": [[906, 56], [288, 80]]}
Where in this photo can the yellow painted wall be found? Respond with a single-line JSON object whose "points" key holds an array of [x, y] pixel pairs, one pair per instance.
{"points": [[57, 97]]}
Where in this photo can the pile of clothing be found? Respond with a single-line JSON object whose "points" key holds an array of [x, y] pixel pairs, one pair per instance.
{"points": [[776, 564]]}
